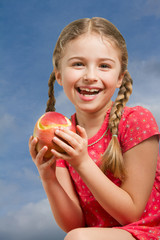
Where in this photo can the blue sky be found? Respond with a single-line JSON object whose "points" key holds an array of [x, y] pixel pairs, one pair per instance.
{"points": [[29, 30]]}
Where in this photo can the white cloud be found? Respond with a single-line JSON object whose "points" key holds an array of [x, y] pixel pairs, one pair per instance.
{"points": [[152, 8], [26, 174], [19, 186], [7, 190], [142, 8], [7, 122], [32, 221], [8, 132], [145, 74]]}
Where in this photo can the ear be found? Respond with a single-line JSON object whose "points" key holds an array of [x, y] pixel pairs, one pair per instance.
{"points": [[120, 79], [58, 77]]}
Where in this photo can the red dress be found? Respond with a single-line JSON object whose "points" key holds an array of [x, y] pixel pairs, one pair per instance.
{"points": [[136, 125]]}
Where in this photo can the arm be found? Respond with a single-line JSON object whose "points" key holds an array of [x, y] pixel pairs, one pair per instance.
{"points": [[63, 201], [126, 203], [59, 190]]}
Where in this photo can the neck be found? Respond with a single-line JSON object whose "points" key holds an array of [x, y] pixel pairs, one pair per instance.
{"points": [[92, 122]]}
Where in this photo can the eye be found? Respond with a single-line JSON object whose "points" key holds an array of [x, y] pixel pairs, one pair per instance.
{"points": [[104, 65], [78, 64]]}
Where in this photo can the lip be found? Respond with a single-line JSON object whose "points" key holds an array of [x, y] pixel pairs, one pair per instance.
{"points": [[88, 97], [90, 87]]}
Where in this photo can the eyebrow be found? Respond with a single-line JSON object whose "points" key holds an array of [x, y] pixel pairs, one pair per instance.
{"points": [[82, 58]]}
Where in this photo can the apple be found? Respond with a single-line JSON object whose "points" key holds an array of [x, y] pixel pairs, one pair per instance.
{"points": [[45, 128]]}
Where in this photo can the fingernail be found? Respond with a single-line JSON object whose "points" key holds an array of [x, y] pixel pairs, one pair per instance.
{"points": [[45, 147], [56, 131]]}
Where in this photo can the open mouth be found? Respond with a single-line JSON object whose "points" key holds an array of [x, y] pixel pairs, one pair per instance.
{"points": [[87, 91]]}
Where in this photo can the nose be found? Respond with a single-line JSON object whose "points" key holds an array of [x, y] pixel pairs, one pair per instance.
{"points": [[90, 75]]}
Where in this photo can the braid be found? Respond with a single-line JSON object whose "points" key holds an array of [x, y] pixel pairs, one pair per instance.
{"points": [[112, 158], [120, 102], [51, 101]]}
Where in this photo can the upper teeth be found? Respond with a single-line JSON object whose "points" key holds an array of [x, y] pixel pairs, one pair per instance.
{"points": [[89, 90]]}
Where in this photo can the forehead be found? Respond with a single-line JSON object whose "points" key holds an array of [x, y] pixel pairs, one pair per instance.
{"points": [[89, 43]]}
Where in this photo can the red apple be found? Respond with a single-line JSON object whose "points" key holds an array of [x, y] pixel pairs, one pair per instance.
{"points": [[45, 128]]}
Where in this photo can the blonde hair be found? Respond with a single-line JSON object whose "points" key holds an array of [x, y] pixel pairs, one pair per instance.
{"points": [[112, 158]]}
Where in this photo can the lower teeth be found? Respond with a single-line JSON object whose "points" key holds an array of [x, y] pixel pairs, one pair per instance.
{"points": [[86, 95]]}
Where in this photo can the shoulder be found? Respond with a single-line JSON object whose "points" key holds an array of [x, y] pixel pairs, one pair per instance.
{"points": [[137, 116], [138, 111], [136, 124]]}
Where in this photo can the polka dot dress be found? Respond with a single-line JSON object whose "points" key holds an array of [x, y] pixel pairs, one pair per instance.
{"points": [[136, 125]]}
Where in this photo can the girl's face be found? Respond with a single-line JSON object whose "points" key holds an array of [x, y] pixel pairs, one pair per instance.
{"points": [[90, 71]]}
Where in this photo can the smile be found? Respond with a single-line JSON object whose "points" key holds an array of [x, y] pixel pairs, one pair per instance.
{"points": [[88, 91]]}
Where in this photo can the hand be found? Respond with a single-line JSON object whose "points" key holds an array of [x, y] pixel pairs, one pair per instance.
{"points": [[75, 145], [46, 168]]}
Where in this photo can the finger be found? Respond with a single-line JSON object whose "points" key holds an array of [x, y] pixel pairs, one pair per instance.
{"points": [[40, 156], [50, 162], [82, 132], [59, 155], [68, 136], [32, 146], [30, 139], [65, 142]]}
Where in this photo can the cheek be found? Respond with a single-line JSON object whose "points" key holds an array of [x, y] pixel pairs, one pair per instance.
{"points": [[71, 76], [68, 81], [111, 79]]}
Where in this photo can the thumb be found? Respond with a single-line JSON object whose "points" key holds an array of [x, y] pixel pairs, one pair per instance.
{"points": [[81, 132]]}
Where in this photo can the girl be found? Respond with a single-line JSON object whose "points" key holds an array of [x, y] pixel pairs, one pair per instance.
{"points": [[107, 184]]}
